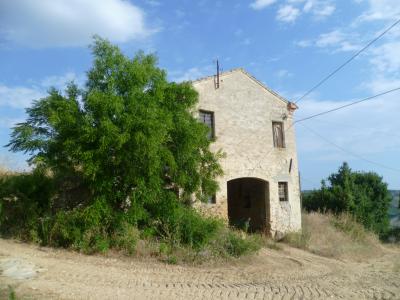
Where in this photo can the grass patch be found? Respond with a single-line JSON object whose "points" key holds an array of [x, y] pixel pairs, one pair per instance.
{"points": [[300, 239], [348, 225], [334, 236], [11, 294], [272, 244]]}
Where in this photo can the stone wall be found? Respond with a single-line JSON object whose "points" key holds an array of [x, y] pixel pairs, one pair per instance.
{"points": [[244, 111]]}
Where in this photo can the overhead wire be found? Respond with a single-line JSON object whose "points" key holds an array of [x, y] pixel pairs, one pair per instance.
{"points": [[347, 61], [347, 105], [350, 152]]}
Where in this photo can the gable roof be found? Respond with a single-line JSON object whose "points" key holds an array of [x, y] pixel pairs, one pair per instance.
{"points": [[249, 76]]}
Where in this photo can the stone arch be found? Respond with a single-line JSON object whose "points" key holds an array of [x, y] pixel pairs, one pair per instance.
{"points": [[248, 202]]}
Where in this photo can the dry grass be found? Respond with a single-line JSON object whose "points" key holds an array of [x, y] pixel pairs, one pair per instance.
{"points": [[338, 237], [7, 172], [4, 171]]}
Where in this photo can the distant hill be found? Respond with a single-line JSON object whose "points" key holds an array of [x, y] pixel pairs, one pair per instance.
{"points": [[394, 211]]}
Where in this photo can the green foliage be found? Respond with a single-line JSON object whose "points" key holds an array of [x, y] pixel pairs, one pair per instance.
{"points": [[392, 235], [11, 294], [129, 133], [115, 162], [398, 201], [234, 243], [125, 238], [363, 195], [23, 199], [178, 224]]}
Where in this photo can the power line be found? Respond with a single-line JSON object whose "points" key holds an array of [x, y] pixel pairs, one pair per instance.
{"points": [[331, 110], [347, 105], [347, 61], [350, 152]]}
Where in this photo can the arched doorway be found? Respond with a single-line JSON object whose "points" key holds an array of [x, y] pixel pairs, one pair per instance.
{"points": [[248, 201]]}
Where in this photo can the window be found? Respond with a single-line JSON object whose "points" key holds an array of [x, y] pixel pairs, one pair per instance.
{"points": [[283, 191], [278, 134], [211, 199], [207, 118]]}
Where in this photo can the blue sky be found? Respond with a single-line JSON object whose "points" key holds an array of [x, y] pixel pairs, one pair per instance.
{"points": [[287, 44]]}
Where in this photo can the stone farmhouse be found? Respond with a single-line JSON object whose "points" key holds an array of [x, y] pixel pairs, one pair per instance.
{"points": [[252, 125]]}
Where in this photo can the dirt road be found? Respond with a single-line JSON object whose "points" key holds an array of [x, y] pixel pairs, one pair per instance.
{"points": [[43, 273]]}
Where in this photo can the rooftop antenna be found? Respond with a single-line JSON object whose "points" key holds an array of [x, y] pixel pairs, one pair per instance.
{"points": [[216, 77]]}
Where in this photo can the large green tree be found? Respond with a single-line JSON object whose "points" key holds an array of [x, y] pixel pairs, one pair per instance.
{"points": [[130, 134], [363, 194]]}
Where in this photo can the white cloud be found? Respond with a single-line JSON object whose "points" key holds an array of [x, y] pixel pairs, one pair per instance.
{"points": [[191, 74], [381, 83], [319, 8], [54, 23], [336, 40], [153, 3], [287, 13], [330, 39], [386, 58], [293, 9], [283, 73], [261, 4], [304, 43], [8, 122], [381, 10], [60, 82], [19, 97], [324, 11]]}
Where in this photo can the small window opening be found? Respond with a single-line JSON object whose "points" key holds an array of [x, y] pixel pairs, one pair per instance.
{"points": [[211, 199], [283, 191], [207, 118], [278, 134]]}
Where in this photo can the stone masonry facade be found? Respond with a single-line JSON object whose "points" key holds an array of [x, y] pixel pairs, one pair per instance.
{"points": [[243, 114]]}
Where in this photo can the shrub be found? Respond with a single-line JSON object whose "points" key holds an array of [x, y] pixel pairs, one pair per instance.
{"points": [[235, 243], [180, 225], [363, 195], [23, 199], [125, 238]]}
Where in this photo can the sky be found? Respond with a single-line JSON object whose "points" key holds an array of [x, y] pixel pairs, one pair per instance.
{"points": [[289, 45]]}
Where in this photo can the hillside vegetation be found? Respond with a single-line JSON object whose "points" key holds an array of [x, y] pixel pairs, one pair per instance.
{"points": [[117, 162], [336, 236], [363, 195]]}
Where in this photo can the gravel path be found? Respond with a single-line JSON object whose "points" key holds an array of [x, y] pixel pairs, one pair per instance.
{"points": [[43, 273]]}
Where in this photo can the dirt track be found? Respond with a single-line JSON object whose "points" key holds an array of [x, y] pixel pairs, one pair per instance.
{"points": [[287, 274]]}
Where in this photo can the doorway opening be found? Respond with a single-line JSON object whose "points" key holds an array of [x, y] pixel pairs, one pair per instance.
{"points": [[248, 203]]}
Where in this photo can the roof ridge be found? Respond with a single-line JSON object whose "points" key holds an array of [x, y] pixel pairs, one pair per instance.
{"points": [[212, 76], [264, 86]]}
